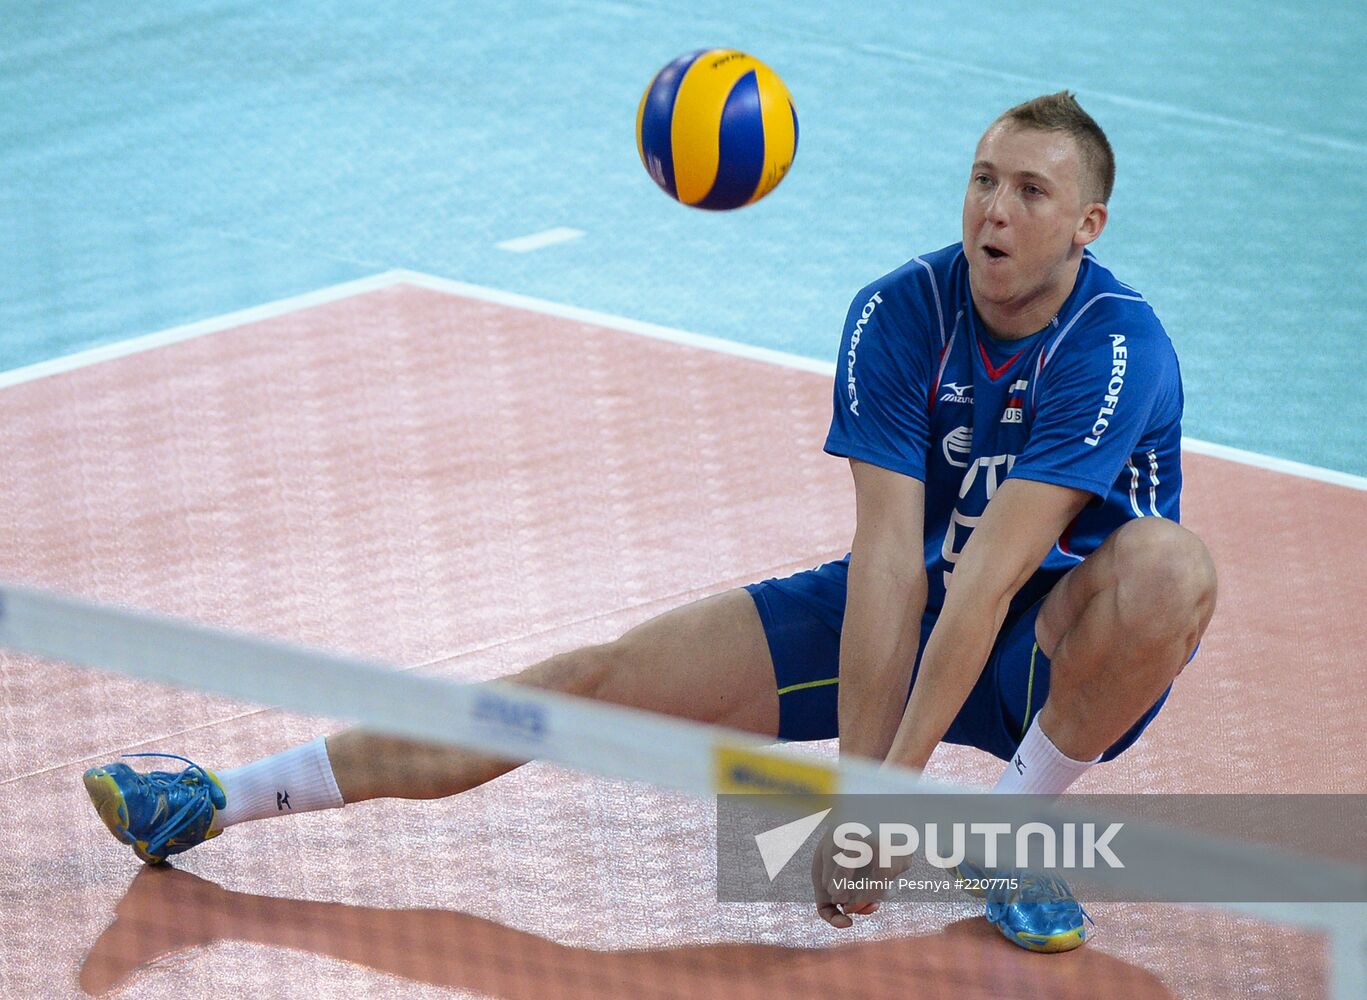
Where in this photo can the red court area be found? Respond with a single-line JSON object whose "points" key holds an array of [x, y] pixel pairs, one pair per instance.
{"points": [[463, 487]]}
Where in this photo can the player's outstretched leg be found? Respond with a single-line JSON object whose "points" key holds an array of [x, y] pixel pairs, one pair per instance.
{"points": [[707, 661]]}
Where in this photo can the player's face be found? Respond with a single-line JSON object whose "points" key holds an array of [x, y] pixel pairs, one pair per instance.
{"points": [[1025, 221]]}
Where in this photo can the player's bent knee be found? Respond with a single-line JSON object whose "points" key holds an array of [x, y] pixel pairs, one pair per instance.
{"points": [[1165, 575]]}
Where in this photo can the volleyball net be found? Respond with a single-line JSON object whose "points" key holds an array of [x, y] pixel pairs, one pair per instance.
{"points": [[1189, 912]]}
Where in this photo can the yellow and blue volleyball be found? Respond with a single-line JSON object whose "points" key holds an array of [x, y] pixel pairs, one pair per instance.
{"points": [[716, 129]]}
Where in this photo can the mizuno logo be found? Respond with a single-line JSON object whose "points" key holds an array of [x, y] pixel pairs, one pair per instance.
{"points": [[282, 801], [956, 393]]}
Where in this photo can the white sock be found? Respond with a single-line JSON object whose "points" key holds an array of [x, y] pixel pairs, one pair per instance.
{"points": [[1040, 768], [294, 781]]}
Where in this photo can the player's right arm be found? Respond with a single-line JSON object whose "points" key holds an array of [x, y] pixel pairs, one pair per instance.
{"points": [[884, 603], [881, 423], [885, 599]]}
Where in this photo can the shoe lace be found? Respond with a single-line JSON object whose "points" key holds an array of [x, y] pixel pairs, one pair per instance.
{"points": [[1031, 888], [191, 787]]}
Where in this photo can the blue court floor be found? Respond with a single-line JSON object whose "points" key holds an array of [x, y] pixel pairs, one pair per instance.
{"points": [[165, 163]]}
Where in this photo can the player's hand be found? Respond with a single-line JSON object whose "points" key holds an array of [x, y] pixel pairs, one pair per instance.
{"points": [[835, 902]]}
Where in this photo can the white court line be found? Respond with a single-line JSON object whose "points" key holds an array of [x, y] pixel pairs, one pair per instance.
{"points": [[1194, 445], [189, 331], [388, 279], [613, 322], [536, 241], [1199, 447]]}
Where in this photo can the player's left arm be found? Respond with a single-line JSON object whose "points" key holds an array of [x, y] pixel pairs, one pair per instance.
{"points": [[1017, 529]]}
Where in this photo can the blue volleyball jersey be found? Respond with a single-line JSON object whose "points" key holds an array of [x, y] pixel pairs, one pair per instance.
{"points": [[1092, 401]]}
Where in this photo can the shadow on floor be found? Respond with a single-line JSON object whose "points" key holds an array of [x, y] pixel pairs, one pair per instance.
{"points": [[167, 911]]}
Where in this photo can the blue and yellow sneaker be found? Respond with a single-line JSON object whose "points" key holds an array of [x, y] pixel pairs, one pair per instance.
{"points": [[1039, 914], [159, 813]]}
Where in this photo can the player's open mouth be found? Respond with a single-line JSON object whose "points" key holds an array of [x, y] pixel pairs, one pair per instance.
{"points": [[994, 253]]}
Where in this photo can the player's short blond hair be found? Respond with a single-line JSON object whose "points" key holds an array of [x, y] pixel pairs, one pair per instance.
{"points": [[1061, 113]]}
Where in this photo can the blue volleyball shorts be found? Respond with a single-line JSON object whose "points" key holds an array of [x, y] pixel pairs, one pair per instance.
{"points": [[802, 616]]}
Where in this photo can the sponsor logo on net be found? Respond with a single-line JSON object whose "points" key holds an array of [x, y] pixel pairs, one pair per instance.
{"points": [[522, 720], [742, 771]]}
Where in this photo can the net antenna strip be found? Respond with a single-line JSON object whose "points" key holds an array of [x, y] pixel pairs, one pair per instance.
{"points": [[525, 723]]}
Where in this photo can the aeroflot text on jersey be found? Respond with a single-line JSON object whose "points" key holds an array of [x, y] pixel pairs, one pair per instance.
{"points": [[1119, 353], [869, 307]]}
